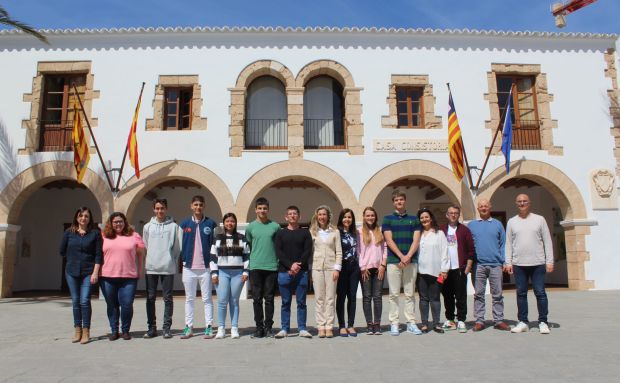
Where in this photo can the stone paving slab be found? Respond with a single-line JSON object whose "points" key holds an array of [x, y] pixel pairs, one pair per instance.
{"points": [[582, 347]]}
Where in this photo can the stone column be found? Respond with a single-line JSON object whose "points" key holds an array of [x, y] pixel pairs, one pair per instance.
{"points": [[295, 107], [576, 256], [8, 252], [237, 121]]}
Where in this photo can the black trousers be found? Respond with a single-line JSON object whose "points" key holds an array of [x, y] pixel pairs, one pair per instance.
{"points": [[167, 282], [454, 291], [372, 299], [429, 291], [346, 289], [264, 284]]}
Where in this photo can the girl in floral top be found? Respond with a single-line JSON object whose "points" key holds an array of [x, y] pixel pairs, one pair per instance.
{"points": [[349, 275]]}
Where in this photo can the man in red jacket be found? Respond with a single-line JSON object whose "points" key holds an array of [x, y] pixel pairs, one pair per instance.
{"points": [[462, 253]]}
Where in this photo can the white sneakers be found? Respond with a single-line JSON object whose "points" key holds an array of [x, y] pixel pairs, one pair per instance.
{"points": [[520, 327], [221, 332], [543, 328], [281, 334], [460, 326], [305, 334]]}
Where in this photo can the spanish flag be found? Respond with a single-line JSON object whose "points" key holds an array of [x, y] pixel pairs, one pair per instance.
{"points": [[132, 140], [81, 154], [455, 142]]}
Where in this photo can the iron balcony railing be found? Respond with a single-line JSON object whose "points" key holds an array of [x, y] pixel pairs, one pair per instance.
{"points": [[266, 134], [324, 134]]}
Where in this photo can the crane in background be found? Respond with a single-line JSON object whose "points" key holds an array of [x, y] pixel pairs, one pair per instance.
{"points": [[560, 10]]}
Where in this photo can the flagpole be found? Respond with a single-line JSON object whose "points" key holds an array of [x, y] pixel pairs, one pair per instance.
{"points": [[471, 181], [90, 129], [120, 173], [499, 126]]}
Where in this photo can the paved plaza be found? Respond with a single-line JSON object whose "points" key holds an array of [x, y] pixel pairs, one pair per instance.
{"points": [[582, 347]]}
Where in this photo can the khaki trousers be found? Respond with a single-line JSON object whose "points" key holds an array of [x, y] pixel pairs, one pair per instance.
{"points": [[404, 277], [325, 297]]}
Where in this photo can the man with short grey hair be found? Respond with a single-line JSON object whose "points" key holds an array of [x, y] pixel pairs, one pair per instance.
{"points": [[529, 255], [489, 240]]}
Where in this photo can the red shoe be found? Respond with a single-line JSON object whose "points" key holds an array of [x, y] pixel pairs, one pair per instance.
{"points": [[478, 327]]}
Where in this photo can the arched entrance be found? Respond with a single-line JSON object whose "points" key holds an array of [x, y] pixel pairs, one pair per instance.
{"points": [[305, 184], [550, 189], [36, 205], [425, 183], [179, 180]]}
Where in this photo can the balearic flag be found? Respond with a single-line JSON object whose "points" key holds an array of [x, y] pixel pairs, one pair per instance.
{"points": [[455, 142], [81, 154], [132, 141], [507, 133]]}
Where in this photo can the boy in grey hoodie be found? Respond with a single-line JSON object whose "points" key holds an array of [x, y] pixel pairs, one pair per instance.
{"points": [[162, 238]]}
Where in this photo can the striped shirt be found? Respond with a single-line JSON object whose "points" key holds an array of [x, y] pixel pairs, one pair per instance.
{"points": [[225, 254], [402, 227]]}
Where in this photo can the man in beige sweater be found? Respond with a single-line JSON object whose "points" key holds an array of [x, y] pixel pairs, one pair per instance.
{"points": [[529, 255]]}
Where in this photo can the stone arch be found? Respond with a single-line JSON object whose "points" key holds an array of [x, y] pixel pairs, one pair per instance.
{"points": [[570, 201], [265, 68], [437, 174], [155, 174], [308, 170], [325, 67], [354, 128], [17, 193]]}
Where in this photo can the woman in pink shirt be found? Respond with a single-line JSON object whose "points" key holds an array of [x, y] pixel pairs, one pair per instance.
{"points": [[372, 254], [123, 254]]}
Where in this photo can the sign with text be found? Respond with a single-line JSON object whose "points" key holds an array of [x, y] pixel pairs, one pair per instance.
{"points": [[410, 145]]}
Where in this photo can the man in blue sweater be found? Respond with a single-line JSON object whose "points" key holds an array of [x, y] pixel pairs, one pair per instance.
{"points": [[489, 240]]}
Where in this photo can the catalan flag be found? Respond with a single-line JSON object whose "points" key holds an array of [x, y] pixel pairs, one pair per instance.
{"points": [[132, 140], [81, 154], [455, 142]]}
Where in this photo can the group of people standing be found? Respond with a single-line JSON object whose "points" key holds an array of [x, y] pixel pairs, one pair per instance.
{"points": [[405, 248]]}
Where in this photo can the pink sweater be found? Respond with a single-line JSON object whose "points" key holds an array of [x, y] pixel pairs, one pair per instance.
{"points": [[370, 256], [119, 256]]}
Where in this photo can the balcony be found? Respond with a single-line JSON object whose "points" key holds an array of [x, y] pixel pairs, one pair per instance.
{"points": [[526, 135], [55, 135], [266, 134], [324, 134]]}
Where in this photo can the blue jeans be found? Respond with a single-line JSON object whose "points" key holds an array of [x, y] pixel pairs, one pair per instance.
{"points": [[228, 291], [80, 299], [119, 294], [288, 285], [522, 276]]}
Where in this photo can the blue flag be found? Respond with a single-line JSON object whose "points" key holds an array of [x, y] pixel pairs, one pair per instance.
{"points": [[507, 133]]}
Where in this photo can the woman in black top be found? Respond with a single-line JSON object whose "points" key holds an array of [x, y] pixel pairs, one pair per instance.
{"points": [[350, 273], [82, 247]]}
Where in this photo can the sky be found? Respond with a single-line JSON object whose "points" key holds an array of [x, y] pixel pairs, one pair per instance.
{"points": [[603, 16]]}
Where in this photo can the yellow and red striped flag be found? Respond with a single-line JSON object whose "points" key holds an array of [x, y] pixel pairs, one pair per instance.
{"points": [[455, 142], [132, 141], [81, 154]]}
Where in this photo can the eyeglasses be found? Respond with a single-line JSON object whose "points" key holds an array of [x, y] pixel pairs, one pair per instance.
{"points": [[523, 202], [118, 222]]}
